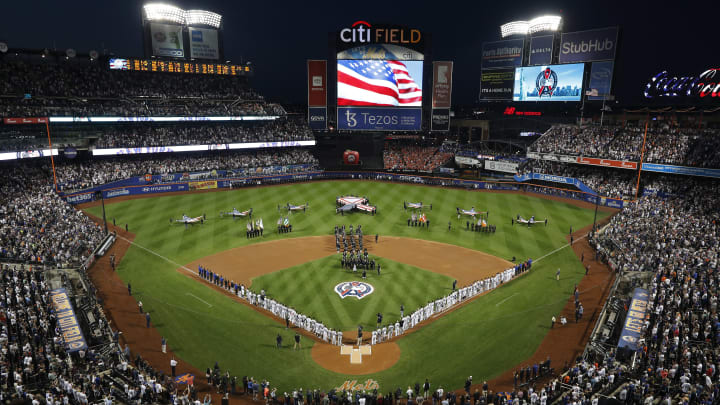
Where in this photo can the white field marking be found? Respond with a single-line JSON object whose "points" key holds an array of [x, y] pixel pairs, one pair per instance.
{"points": [[558, 249], [158, 255], [499, 303], [199, 299]]}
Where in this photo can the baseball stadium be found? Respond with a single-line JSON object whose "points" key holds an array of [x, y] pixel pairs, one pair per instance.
{"points": [[178, 228]]}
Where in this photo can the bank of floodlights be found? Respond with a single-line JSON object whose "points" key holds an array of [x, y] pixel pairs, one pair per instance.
{"points": [[538, 24], [161, 12]]}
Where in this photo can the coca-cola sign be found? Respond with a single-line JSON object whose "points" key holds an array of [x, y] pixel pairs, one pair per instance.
{"points": [[704, 86]]}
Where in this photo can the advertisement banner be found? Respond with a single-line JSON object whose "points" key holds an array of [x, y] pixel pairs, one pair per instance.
{"points": [[505, 167], [462, 160], [442, 84], [690, 171], [317, 83], [440, 120], [588, 46], [34, 120], [502, 54], [379, 119], [317, 118], [635, 320], [497, 84], [202, 185], [167, 40], [620, 164], [67, 321], [204, 43], [549, 83], [601, 74], [541, 50]]}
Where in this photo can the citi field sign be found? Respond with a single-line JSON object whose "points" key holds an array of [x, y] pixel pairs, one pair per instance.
{"points": [[362, 32], [705, 86]]}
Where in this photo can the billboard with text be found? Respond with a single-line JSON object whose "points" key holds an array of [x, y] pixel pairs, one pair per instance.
{"points": [[204, 43], [541, 50], [379, 119], [502, 54], [497, 84], [588, 46], [442, 84]]}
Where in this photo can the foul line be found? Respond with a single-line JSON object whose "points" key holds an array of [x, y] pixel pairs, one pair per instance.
{"points": [[199, 299], [156, 254], [558, 249], [499, 303]]}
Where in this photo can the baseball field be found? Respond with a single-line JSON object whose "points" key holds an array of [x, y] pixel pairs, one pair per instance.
{"points": [[483, 338]]}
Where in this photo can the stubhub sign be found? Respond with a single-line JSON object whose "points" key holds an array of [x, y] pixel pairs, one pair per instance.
{"points": [[589, 46], [379, 119]]}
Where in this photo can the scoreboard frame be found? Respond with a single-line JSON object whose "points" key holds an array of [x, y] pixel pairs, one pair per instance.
{"points": [[180, 66]]}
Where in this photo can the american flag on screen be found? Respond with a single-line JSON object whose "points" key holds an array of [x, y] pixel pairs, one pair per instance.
{"points": [[376, 83]]}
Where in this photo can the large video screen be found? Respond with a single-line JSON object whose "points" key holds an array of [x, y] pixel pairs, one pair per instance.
{"points": [[379, 83], [549, 83]]}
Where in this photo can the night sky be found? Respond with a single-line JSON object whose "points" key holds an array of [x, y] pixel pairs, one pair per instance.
{"points": [[278, 36]]}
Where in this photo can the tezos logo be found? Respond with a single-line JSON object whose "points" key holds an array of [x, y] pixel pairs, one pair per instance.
{"points": [[350, 119], [357, 289], [546, 82]]}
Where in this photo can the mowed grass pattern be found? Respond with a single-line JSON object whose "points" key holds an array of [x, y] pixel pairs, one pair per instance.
{"points": [[482, 339], [310, 289]]}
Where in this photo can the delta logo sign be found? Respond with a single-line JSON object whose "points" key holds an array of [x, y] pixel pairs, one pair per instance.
{"points": [[362, 32], [705, 86]]}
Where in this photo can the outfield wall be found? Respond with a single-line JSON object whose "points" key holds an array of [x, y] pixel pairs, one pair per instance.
{"points": [[190, 182]]}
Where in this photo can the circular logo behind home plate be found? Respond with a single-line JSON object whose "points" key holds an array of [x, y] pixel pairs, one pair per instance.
{"points": [[357, 289]]}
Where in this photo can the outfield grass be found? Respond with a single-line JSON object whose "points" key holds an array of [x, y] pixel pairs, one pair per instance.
{"points": [[481, 339], [309, 288]]}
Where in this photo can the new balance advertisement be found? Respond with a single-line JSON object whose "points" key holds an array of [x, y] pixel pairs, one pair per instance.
{"points": [[588, 46], [497, 84], [167, 40], [549, 83], [599, 86], [541, 50], [502, 54], [379, 119], [204, 43]]}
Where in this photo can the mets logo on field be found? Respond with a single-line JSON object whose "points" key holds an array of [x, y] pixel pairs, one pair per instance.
{"points": [[357, 289]]}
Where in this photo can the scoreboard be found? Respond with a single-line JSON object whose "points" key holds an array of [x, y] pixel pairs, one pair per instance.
{"points": [[167, 66]]}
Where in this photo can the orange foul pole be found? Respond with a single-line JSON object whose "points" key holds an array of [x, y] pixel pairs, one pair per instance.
{"points": [[52, 158], [642, 158]]}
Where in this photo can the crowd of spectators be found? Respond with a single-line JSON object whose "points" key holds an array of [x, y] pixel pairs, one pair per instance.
{"points": [[36, 225], [666, 143], [282, 130], [80, 174], [613, 183], [92, 89], [413, 157], [677, 239]]}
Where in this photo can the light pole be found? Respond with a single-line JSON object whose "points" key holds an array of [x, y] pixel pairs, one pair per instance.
{"points": [[99, 194]]}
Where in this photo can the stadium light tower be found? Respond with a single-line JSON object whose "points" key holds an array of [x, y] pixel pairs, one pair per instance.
{"points": [[537, 24], [202, 17], [164, 12]]}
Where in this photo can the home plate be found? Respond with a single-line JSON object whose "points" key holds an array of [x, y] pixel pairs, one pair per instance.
{"points": [[356, 354]]}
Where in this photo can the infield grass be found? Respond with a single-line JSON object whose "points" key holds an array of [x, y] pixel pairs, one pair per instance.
{"points": [[482, 339]]}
